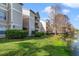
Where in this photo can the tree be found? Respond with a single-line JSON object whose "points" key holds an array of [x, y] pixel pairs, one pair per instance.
{"points": [[54, 10], [58, 22]]}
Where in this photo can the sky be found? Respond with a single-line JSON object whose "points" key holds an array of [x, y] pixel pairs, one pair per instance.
{"points": [[69, 9]]}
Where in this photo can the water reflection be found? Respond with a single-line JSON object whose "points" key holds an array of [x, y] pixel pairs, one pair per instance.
{"points": [[75, 45]]}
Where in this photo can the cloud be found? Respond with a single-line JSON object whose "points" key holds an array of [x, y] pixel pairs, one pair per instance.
{"points": [[44, 18], [72, 5], [77, 18], [65, 11], [24, 11], [48, 9]]}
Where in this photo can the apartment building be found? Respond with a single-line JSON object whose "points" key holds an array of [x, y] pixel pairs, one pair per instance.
{"points": [[61, 24], [45, 26], [10, 16], [42, 26], [48, 26], [15, 14], [30, 21]]}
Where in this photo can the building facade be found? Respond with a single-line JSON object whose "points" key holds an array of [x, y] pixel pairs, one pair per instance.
{"points": [[48, 26], [42, 26], [61, 24], [31, 21], [15, 14], [10, 16]]}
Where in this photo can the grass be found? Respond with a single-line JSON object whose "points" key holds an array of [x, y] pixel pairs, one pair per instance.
{"points": [[34, 46]]}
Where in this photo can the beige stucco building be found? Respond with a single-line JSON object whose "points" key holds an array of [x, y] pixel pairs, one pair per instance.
{"points": [[48, 26], [61, 24], [31, 21]]}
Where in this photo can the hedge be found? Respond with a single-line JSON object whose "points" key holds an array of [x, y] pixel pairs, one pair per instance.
{"points": [[38, 34], [16, 34]]}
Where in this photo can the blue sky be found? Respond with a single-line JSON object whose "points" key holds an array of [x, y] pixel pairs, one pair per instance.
{"points": [[72, 10]]}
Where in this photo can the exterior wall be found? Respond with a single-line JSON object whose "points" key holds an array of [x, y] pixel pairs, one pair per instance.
{"points": [[48, 27], [3, 18], [16, 16], [26, 12], [10, 15], [25, 22], [26, 15], [37, 21], [31, 21], [42, 26], [60, 24]]}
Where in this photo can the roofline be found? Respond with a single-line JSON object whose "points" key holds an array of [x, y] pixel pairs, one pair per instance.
{"points": [[32, 11], [21, 3]]}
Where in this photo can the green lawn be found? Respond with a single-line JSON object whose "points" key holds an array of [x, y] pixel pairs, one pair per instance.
{"points": [[31, 46]]}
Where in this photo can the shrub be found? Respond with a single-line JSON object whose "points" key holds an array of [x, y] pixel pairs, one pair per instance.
{"points": [[39, 34], [33, 32], [48, 33], [16, 34]]}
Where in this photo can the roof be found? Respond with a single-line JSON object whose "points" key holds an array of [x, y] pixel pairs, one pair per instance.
{"points": [[32, 11], [21, 3]]}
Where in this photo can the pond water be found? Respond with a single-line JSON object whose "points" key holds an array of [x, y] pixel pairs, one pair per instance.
{"points": [[75, 45]]}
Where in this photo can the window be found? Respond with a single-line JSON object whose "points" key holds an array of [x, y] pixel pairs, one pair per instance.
{"points": [[2, 15], [4, 3], [2, 29], [13, 26], [2, 32]]}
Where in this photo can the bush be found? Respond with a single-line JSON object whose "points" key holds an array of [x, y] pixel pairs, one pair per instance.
{"points": [[48, 33], [33, 32], [16, 34], [39, 34]]}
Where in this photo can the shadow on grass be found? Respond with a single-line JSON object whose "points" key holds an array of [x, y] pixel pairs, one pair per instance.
{"points": [[5, 40], [29, 49], [57, 50], [25, 49], [10, 40]]}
